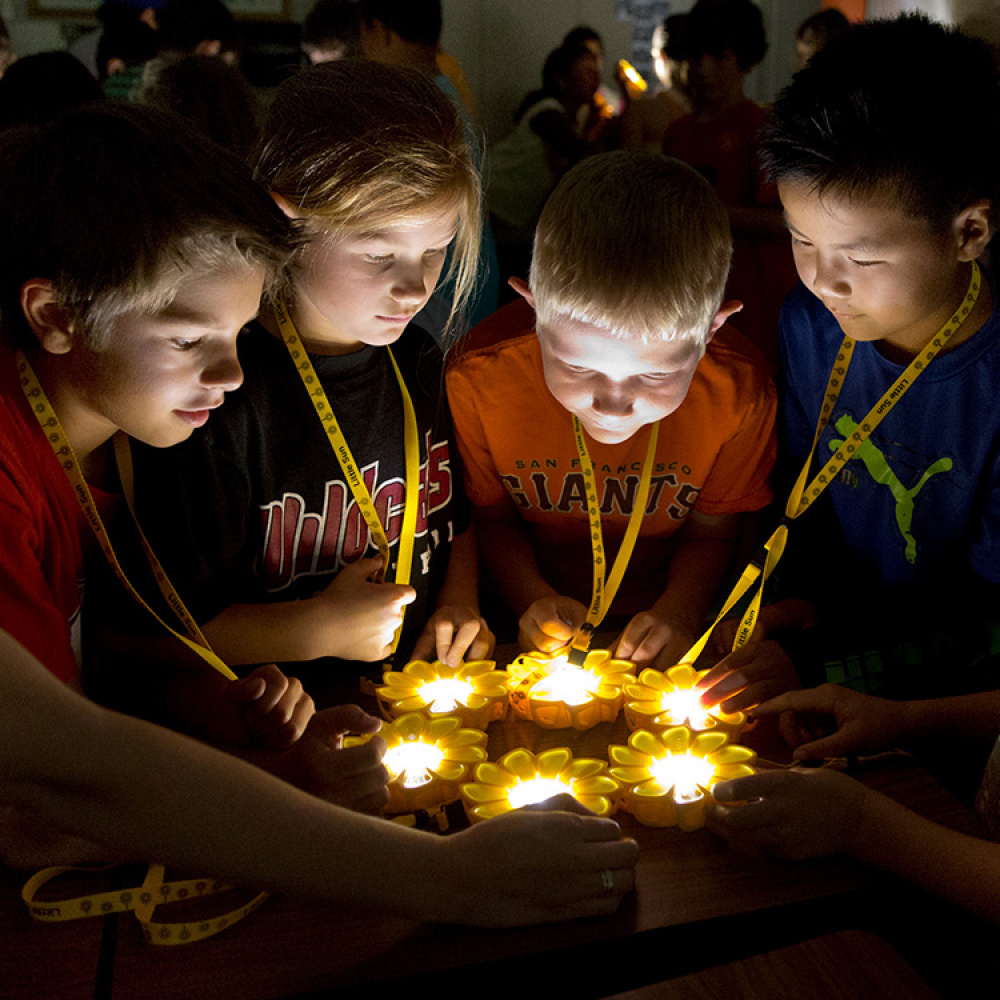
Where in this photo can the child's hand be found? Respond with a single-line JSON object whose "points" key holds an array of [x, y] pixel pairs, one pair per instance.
{"points": [[650, 640], [749, 676], [318, 763], [861, 723], [275, 708], [359, 618], [453, 633], [550, 623], [795, 814], [773, 617]]}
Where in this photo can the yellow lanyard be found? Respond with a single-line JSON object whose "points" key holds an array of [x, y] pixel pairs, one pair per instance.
{"points": [[606, 587], [352, 473], [802, 495], [56, 436]]}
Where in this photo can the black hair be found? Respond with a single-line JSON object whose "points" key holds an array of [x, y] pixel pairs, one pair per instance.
{"points": [[714, 27], [213, 95], [557, 67], [413, 20], [905, 110], [114, 203], [826, 26], [333, 22], [580, 36], [41, 87], [183, 24], [673, 32]]}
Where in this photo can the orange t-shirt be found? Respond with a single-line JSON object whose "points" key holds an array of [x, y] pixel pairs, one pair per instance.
{"points": [[714, 454]]}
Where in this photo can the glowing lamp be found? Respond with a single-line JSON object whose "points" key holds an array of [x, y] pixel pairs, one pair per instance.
{"points": [[668, 777], [659, 701], [520, 778], [555, 694], [427, 760], [473, 692]]}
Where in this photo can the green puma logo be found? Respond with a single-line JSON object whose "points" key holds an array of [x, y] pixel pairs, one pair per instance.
{"points": [[878, 468]]}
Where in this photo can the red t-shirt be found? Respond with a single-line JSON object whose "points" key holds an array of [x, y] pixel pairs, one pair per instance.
{"points": [[41, 558], [714, 454]]}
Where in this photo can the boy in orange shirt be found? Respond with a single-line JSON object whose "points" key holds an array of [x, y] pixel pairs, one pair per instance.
{"points": [[630, 262]]}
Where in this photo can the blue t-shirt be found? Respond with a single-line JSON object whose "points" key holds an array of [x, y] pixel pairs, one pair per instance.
{"points": [[922, 496]]}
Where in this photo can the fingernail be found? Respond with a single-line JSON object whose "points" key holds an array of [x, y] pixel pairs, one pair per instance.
{"points": [[731, 682]]}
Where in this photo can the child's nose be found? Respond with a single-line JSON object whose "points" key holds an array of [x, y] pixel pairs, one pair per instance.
{"points": [[224, 372], [409, 285], [612, 400], [829, 280]]}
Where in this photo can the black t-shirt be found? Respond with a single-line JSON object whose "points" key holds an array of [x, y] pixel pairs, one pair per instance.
{"points": [[255, 508]]}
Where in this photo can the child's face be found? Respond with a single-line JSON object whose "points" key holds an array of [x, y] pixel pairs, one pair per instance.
{"points": [[158, 376], [884, 275], [364, 289], [615, 387]]}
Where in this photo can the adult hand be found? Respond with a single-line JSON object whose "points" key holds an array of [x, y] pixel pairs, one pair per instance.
{"points": [[830, 721], [802, 813], [353, 777], [275, 708], [538, 865], [650, 639], [550, 623], [356, 619], [749, 676], [454, 633]]}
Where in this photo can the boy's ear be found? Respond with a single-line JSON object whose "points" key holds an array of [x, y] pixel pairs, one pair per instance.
{"points": [[282, 203], [973, 229], [726, 311], [523, 289], [46, 317]]}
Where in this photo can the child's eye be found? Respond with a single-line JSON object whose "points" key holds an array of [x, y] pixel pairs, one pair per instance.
{"points": [[658, 376], [796, 242], [181, 344], [864, 263], [577, 370], [378, 258]]}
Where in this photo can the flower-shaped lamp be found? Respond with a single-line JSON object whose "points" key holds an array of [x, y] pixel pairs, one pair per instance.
{"points": [[659, 701], [473, 692], [669, 776], [427, 760], [520, 778], [555, 694]]}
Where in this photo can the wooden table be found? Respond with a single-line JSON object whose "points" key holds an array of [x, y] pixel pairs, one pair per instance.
{"points": [[697, 904]]}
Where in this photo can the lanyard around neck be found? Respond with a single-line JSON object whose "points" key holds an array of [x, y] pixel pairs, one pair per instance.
{"points": [[805, 492], [352, 472], [606, 587], [59, 442]]}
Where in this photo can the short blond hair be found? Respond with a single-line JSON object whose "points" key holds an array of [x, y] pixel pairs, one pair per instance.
{"points": [[635, 243], [355, 145]]}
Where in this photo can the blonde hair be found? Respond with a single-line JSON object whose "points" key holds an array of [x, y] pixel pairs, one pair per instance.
{"points": [[635, 243], [354, 145]]}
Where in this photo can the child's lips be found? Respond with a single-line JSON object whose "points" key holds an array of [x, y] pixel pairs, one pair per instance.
{"points": [[197, 418]]}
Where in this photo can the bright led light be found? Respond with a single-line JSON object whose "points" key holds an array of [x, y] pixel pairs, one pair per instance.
{"points": [[684, 706], [446, 695], [414, 761], [683, 772], [570, 685], [527, 793]]}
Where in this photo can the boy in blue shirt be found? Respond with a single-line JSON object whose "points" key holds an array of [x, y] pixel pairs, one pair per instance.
{"points": [[888, 179]]}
